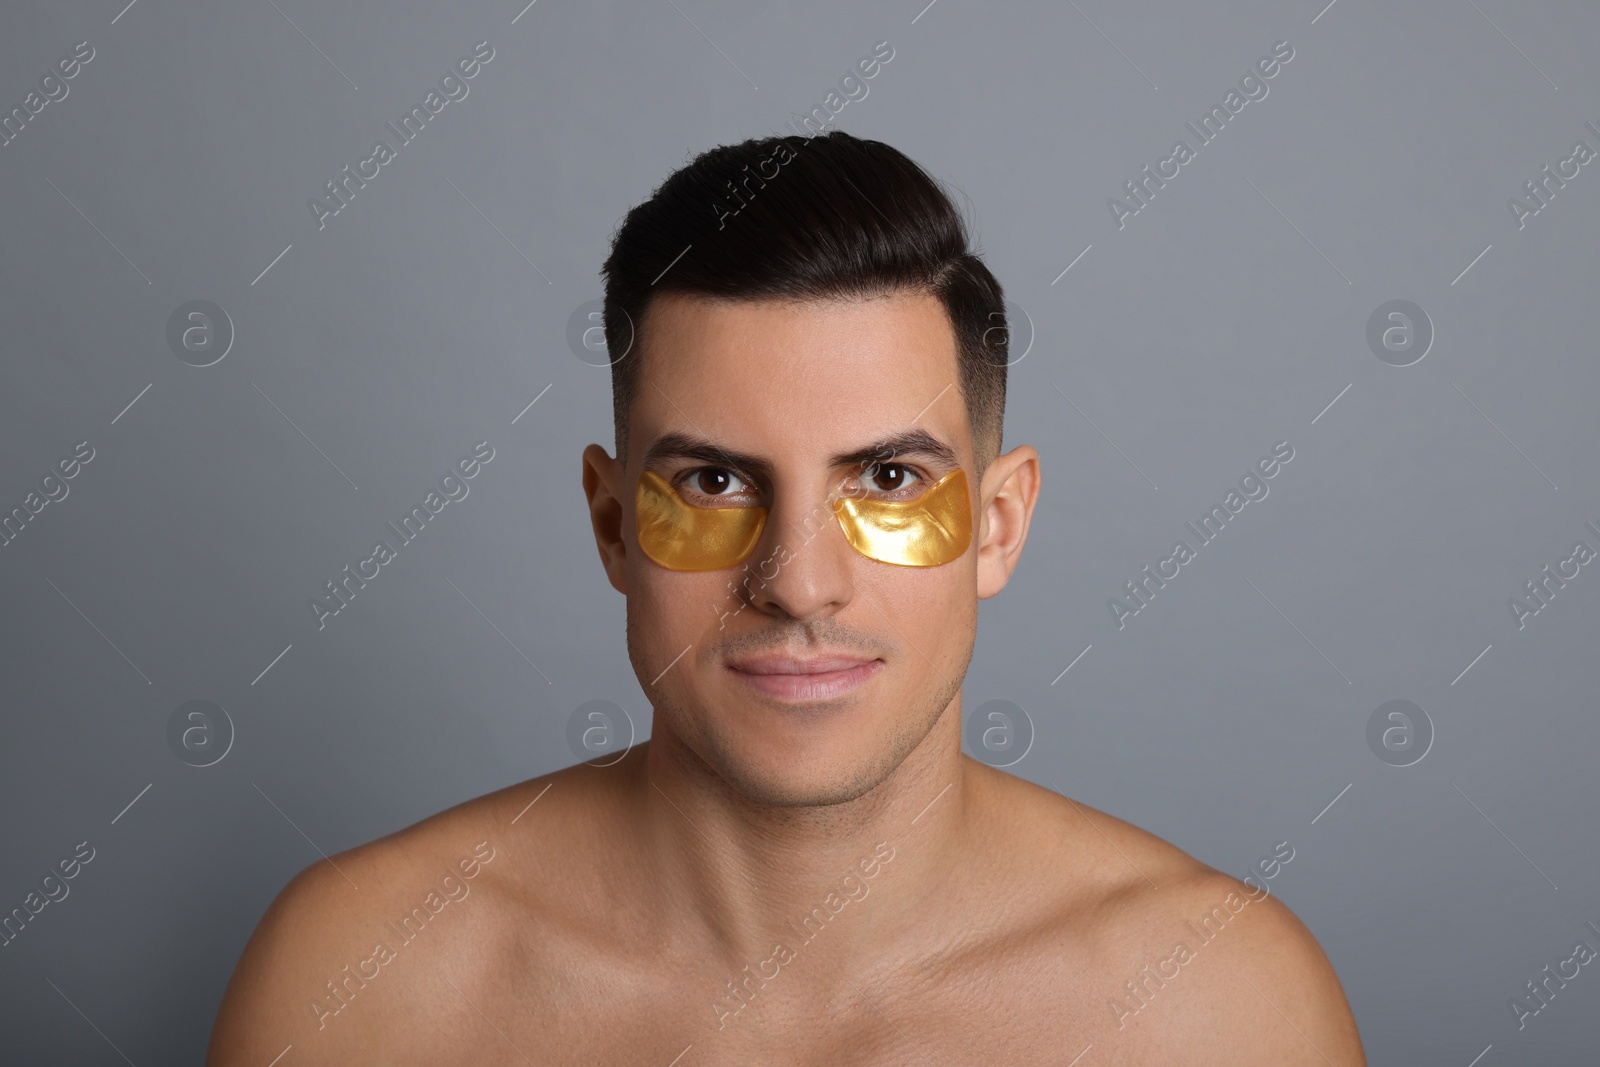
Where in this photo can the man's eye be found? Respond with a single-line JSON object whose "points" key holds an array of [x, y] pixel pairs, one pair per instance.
{"points": [[714, 481], [890, 477]]}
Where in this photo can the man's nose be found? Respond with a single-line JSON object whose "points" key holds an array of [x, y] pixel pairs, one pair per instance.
{"points": [[803, 566]]}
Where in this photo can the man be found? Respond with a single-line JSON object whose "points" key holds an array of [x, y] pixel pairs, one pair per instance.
{"points": [[800, 866]]}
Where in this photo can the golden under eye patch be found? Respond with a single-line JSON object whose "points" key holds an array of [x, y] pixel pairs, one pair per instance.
{"points": [[682, 537], [929, 531], [933, 529]]}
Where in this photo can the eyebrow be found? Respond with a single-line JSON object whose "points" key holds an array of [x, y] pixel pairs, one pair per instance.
{"points": [[916, 442]]}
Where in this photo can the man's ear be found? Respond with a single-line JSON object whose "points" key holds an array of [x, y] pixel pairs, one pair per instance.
{"points": [[1010, 490], [602, 484]]}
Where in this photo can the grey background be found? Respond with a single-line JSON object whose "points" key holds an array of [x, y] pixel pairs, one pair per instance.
{"points": [[1226, 316]]}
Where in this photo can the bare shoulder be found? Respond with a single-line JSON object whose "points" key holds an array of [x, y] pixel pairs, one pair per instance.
{"points": [[355, 946], [1231, 975], [1173, 958], [1199, 963]]}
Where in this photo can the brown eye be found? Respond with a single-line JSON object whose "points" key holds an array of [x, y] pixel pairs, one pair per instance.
{"points": [[714, 481], [897, 476]]}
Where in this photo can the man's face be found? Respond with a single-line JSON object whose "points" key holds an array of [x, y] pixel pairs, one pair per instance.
{"points": [[793, 386]]}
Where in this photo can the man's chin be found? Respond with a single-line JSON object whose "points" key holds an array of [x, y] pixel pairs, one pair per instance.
{"points": [[781, 783]]}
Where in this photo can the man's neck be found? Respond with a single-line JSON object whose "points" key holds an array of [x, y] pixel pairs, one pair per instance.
{"points": [[750, 874]]}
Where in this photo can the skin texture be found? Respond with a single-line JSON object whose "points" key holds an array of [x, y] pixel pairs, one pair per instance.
{"points": [[957, 914]]}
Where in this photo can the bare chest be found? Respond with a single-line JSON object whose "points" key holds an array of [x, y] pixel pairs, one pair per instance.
{"points": [[1028, 1009]]}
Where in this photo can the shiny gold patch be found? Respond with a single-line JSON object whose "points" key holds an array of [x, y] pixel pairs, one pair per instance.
{"points": [[682, 537], [929, 531]]}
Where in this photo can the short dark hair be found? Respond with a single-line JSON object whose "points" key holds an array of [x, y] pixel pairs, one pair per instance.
{"points": [[822, 217]]}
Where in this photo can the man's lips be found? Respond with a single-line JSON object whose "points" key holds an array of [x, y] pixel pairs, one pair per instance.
{"points": [[797, 665], [791, 678]]}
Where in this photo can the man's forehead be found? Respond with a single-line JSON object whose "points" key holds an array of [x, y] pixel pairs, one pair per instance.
{"points": [[893, 342], [828, 380]]}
